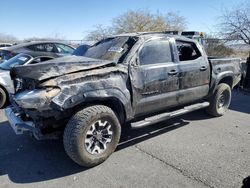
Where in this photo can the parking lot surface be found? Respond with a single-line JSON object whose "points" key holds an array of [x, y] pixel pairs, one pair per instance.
{"points": [[194, 150]]}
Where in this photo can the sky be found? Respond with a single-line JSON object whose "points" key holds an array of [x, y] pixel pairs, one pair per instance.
{"points": [[73, 19]]}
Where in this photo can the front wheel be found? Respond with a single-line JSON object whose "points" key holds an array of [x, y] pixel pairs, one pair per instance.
{"points": [[3, 98], [92, 135], [220, 100]]}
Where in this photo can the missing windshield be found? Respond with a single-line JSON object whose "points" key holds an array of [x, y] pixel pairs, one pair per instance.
{"points": [[111, 49]]}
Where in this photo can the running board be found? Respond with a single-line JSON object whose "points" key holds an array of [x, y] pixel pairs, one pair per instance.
{"points": [[168, 115]]}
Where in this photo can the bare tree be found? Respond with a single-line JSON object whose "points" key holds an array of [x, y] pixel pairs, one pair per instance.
{"points": [[139, 21], [235, 24], [100, 32], [135, 21], [142, 20], [175, 22]]}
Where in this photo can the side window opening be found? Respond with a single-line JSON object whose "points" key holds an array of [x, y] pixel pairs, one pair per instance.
{"points": [[47, 47], [40, 59], [64, 49], [39, 48], [187, 51], [155, 51], [50, 48], [32, 47], [45, 58]]}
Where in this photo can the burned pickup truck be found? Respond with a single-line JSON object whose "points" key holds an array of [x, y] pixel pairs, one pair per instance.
{"points": [[124, 80]]}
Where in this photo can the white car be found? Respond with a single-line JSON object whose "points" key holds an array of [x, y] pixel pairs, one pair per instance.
{"points": [[6, 84]]}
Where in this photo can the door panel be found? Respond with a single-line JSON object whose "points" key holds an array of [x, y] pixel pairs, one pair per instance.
{"points": [[194, 77], [154, 77], [153, 88]]}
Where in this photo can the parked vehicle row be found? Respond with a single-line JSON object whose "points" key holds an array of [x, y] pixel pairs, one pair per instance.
{"points": [[24, 54], [39, 47], [125, 80], [28, 58], [5, 45]]}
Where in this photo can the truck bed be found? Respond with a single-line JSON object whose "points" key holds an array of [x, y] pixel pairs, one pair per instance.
{"points": [[230, 66]]}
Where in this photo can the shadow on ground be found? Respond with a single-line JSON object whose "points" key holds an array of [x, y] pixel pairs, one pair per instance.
{"points": [[26, 160], [240, 102]]}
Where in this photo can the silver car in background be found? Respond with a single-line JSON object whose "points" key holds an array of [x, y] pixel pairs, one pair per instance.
{"points": [[6, 84]]}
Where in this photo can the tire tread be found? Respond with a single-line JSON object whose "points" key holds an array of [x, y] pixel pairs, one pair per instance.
{"points": [[74, 128]]}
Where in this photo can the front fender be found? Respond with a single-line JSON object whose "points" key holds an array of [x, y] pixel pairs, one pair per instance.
{"points": [[64, 102], [122, 96]]}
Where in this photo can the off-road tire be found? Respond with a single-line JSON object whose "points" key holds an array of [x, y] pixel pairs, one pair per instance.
{"points": [[3, 98], [76, 130], [214, 109]]}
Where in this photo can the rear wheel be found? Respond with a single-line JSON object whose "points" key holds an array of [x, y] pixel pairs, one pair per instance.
{"points": [[92, 135], [3, 98], [220, 100]]}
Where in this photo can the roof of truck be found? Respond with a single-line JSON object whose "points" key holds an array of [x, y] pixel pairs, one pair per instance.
{"points": [[151, 34]]}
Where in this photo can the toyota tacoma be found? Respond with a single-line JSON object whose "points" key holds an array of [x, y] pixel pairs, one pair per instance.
{"points": [[132, 80]]}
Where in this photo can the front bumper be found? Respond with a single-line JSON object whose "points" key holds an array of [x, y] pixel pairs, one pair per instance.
{"points": [[18, 125]]}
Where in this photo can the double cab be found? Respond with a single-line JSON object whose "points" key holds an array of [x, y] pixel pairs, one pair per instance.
{"points": [[132, 80]]}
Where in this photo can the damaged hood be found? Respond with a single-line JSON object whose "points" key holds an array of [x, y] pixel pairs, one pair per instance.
{"points": [[58, 67]]}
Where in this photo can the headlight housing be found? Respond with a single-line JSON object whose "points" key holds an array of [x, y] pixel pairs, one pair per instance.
{"points": [[36, 99]]}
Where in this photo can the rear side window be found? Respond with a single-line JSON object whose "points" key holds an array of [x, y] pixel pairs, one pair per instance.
{"points": [[61, 48], [40, 59], [43, 48], [155, 51], [187, 51]]}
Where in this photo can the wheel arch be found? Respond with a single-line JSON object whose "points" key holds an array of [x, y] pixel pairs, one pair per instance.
{"points": [[224, 77], [115, 104], [6, 92], [227, 80], [118, 101]]}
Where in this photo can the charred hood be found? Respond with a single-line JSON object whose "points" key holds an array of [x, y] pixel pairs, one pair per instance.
{"points": [[58, 67]]}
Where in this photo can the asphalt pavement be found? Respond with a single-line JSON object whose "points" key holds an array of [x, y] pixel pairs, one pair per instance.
{"points": [[193, 150]]}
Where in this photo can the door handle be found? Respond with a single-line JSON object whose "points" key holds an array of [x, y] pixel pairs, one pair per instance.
{"points": [[203, 68], [172, 72]]}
